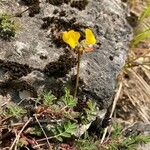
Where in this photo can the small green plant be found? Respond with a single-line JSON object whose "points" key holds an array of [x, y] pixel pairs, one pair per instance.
{"points": [[117, 130], [48, 98], [68, 99], [91, 111], [140, 37], [8, 27], [131, 142], [118, 141], [65, 130], [86, 143], [14, 111], [61, 107], [142, 31], [145, 14]]}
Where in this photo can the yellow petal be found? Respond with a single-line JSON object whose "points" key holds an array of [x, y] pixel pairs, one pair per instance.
{"points": [[71, 37], [72, 43], [89, 37], [65, 37], [76, 36]]}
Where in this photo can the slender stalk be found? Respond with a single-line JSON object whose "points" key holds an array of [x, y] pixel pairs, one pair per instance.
{"points": [[78, 74], [19, 134], [50, 148], [112, 109]]}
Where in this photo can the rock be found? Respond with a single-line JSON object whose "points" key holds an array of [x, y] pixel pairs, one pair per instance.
{"points": [[137, 128], [4, 100], [37, 59], [24, 94]]}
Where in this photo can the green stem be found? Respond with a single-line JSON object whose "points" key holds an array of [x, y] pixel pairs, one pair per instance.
{"points": [[78, 74]]}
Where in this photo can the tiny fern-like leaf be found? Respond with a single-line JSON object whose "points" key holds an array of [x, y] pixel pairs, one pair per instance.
{"points": [[48, 98], [15, 111], [68, 99], [64, 131]]}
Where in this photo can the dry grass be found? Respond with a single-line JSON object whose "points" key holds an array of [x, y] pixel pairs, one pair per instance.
{"points": [[134, 102]]}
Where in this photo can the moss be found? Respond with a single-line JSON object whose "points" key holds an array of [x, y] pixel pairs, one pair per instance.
{"points": [[8, 27]]}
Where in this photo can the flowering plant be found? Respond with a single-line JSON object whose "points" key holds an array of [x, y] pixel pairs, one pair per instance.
{"points": [[72, 39]]}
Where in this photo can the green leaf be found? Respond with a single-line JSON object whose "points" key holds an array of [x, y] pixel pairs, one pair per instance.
{"points": [[59, 129], [117, 130], [55, 131], [65, 130], [15, 111], [140, 37], [59, 138], [70, 127], [65, 134], [145, 14], [91, 105], [68, 99], [48, 98]]}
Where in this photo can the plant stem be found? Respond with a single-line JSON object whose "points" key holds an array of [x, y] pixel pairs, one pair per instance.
{"points": [[78, 74]]}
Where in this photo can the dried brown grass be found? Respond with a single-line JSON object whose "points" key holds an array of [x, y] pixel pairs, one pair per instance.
{"points": [[134, 102]]}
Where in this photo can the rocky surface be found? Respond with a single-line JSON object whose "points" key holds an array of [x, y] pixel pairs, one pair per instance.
{"points": [[37, 59]]}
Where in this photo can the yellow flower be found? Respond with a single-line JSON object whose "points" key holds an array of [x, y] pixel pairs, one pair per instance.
{"points": [[71, 37], [89, 37]]}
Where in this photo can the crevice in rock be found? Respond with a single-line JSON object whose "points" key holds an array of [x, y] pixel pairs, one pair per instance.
{"points": [[132, 19], [111, 57], [61, 24], [33, 6], [14, 69], [58, 2], [56, 87], [79, 4], [60, 68], [18, 85], [57, 25]]}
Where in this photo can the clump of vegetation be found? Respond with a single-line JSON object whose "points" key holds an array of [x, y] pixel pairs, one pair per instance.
{"points": [[142, 31], [63, 131], [53, 123], [14, 110], [86, 143], [48, 98], [48, 119], [118, 141], [8, 27]]}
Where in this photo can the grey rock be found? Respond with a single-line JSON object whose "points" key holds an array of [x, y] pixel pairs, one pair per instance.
{"points": [[138, 128], [37, 59]]}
